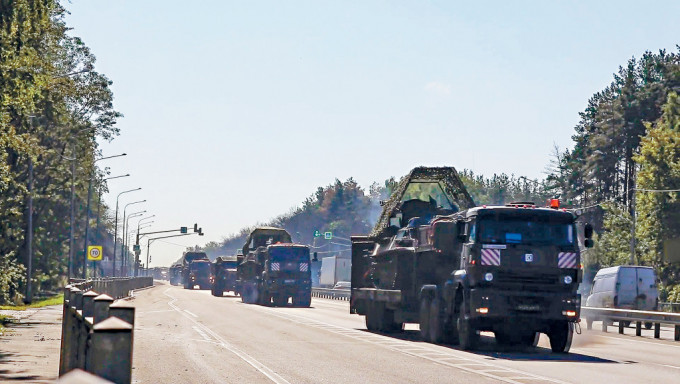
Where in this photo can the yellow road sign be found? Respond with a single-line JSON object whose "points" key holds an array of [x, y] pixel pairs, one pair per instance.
{"points": [[94, 252]]}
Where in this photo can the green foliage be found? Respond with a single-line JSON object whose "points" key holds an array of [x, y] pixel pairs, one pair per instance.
{"points": [[53, 106], [612, 246], [502, 189], [659, 212], [11, 279]]}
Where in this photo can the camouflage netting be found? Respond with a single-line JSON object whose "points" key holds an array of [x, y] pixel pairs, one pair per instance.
{"points": [[447, 178]]}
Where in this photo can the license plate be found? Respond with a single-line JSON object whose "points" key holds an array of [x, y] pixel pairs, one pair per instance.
{"points": [[528, 307], [289, 281]]}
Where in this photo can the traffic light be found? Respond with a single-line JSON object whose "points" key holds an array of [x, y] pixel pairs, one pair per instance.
{"points": [[200, 231], [195, 227], [182, 229]]}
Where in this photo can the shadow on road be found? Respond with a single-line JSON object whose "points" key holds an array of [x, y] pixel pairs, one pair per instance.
{"points": [[11, 371], [489, 348]]}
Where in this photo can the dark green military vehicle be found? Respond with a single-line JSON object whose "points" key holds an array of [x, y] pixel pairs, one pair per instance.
{"points": [[456, 270], [223, 276], [272, 270]]}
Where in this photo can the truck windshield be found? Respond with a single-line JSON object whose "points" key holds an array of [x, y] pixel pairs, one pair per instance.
{"points": [[229, 264], [200, 266], [525, 231], [191, 256], [289, 254], [428, 191]]}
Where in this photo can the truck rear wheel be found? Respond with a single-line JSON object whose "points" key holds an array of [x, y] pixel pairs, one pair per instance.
{"points": [[217, 291], [467, 335], [280, 300], [424, 318], [374, 316], [560, 336], [436, 329], [303, 300]]}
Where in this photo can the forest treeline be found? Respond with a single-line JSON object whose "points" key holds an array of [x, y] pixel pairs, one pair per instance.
{"points": [[54, 106]]}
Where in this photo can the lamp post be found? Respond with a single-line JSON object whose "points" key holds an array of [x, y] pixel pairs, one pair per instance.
{"points": [[87, 211], [115, 231], [124, 250]]}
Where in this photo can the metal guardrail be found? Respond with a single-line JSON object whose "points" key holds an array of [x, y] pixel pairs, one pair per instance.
{"points": [[669, 307], [623, 316], [97, 334], [335, 294]]}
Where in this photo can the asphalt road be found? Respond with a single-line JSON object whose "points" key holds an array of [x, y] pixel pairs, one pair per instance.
{"points": [[192, 337]]}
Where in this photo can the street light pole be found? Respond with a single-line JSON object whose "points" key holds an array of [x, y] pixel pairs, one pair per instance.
{"points": [[122, 254], [29, 235], [99, 201], [115, 231], [87, 212]]}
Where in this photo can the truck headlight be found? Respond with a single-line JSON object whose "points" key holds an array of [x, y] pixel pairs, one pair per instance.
{"points": [[567, 279], [488, 276]]}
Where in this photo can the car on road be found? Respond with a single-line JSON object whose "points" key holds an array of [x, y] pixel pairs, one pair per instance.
{"points": [[625, 286], [343, 285]]}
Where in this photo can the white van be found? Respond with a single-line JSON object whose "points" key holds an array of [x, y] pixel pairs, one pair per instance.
{"points": [[626, 286]]}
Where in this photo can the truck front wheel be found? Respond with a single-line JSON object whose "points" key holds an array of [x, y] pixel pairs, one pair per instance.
{"points": [[424, 318], [560, 337], [467, 335]]}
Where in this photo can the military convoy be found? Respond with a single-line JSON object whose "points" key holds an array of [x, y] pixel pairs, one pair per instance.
{"points": [[434, 259], [273, 270], [455, 269]]}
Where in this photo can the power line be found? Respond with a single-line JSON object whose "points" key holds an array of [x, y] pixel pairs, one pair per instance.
{"points": [[657, 190]]}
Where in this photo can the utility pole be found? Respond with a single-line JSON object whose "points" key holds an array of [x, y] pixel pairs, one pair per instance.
{"points": [[71, 247], [29, 235], [632, 228]]}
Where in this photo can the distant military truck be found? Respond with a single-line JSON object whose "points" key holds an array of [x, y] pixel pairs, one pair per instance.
{"points": [[272, 270], [186, 260], [224, 275], [175, 274], [199, 275]]}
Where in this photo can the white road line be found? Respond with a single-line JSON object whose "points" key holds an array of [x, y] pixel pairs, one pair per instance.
{"points": [[192, 314], [271, 375], [637, 341], [669, 366], [200, 332]]}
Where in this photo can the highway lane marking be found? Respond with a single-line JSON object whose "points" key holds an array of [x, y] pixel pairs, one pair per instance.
{"points": [[270, 374], [192, 314], [638, 341], [417, 351], [203, 334]]}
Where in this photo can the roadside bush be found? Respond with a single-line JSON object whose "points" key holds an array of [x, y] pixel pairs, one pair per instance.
{"points": [[12, 279]]}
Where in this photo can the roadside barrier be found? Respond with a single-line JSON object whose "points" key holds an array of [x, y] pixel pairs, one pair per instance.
{"points": [[97, 334], [624, 316], [669, 307], [335, 294]]}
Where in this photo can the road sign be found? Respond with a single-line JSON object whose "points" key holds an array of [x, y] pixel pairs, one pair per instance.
{"points": [[94, 252], [136, 248], [182, 229], [317, 233], [328, 235]]}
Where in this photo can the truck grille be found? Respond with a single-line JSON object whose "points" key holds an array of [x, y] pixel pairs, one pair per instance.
{"points": [[506, 277]]}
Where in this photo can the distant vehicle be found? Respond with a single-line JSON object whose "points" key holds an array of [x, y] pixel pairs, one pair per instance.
{"points": [[199, 274], [272, 269], [343, 285], [223, 275], [334, 269], [185, 261], [175, 274], [628, 287]]}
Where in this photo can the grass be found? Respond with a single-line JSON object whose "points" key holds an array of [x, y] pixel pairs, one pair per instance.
{"points": [[54, 300], [3, 321]]}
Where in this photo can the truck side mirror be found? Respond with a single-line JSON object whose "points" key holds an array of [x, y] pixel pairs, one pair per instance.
{"points": [[588, 231], [316, 257]]}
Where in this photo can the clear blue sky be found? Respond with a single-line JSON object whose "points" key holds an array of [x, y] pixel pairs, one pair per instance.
{"points": [[235, 111]]}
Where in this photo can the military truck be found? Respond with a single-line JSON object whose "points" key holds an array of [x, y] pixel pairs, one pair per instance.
{"points": [[273, 270], [223, 275], [456, 270], [175, 274], [200, 272]]}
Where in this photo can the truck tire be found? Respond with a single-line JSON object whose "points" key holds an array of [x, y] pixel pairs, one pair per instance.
{"points": [[217, 291], [436, 334], [374, 316], [648, 325], [467, 335], [303, 300], [560, 337], [424, 318]]}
